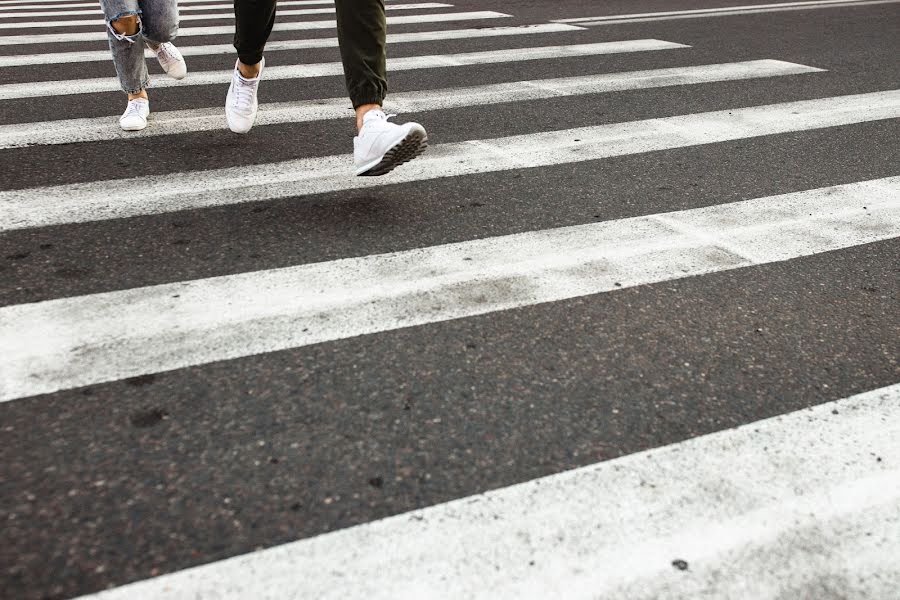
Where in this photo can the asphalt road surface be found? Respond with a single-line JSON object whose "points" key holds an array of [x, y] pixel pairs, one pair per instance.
{"points": [[629, 329]]}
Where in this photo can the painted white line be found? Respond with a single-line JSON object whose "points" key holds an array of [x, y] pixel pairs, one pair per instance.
{"points": [[58, 9], [720, 12], [223, 76], [71, 342], [210, 119], [51, 23], [274, 46], [113, 199], [809, 500], [100, 36]]}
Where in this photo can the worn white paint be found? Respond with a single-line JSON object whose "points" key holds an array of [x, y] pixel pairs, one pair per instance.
{"points": [[51, 23], [209, 119], [803, 505], [720, 12], [119, 198], [100, 36], [71, 342], [405, 63]]}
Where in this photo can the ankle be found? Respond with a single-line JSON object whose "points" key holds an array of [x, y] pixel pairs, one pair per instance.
{"points": [[361, 112], [249, 71], [141, 94]]}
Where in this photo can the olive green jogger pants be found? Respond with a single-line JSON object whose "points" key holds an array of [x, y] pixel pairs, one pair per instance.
{"points": [[361, 31]]}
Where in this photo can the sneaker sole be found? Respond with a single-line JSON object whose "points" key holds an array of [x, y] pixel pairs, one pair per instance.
{"points": [[413, 145], [133, 128], [177, 75], [240, 130]]}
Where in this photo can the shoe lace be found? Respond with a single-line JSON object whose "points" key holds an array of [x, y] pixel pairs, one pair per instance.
{"points": [[163, 53], [133, 109], [243, 93]]}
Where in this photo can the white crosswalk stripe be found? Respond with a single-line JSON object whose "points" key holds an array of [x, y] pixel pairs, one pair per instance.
{"points": [[61, 344], [38, 207], [210, 119], [635, 514]]}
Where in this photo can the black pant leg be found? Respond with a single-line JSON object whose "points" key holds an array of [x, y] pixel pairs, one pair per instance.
{"points": [[253, 21], [362, 33]]}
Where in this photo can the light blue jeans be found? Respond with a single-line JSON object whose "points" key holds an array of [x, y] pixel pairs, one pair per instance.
{"points": [[158, 23]]}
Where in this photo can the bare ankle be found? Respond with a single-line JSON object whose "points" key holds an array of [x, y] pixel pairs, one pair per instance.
{"points": [[140, 94], [361, 112], [248, 71]]}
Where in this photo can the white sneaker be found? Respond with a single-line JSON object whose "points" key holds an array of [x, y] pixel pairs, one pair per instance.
{"points": [[241, 103], [135, 116], [381, 146], [171, 60]]}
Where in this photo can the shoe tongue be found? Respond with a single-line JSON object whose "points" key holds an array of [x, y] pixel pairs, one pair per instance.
{"points": [[140, 100]]}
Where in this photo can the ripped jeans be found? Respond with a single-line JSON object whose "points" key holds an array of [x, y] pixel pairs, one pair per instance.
{"points": [[157, 24]]}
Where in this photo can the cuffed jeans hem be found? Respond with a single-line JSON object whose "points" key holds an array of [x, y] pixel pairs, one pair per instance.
{"points": [[140, 89]]}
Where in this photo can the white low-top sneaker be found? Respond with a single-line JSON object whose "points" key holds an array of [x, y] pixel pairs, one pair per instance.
{"points": [[381, 146], [135, 116], [171, 60], [241, 103]]}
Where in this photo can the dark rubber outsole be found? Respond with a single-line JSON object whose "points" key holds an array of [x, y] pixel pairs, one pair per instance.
{"points": [[404, 151]]}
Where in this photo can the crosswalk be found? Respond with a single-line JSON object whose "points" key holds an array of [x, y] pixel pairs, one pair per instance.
{"points": [[187, 121], [302, 71], [82, 202], [143, 331], [614, 528], [478, 547]]}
